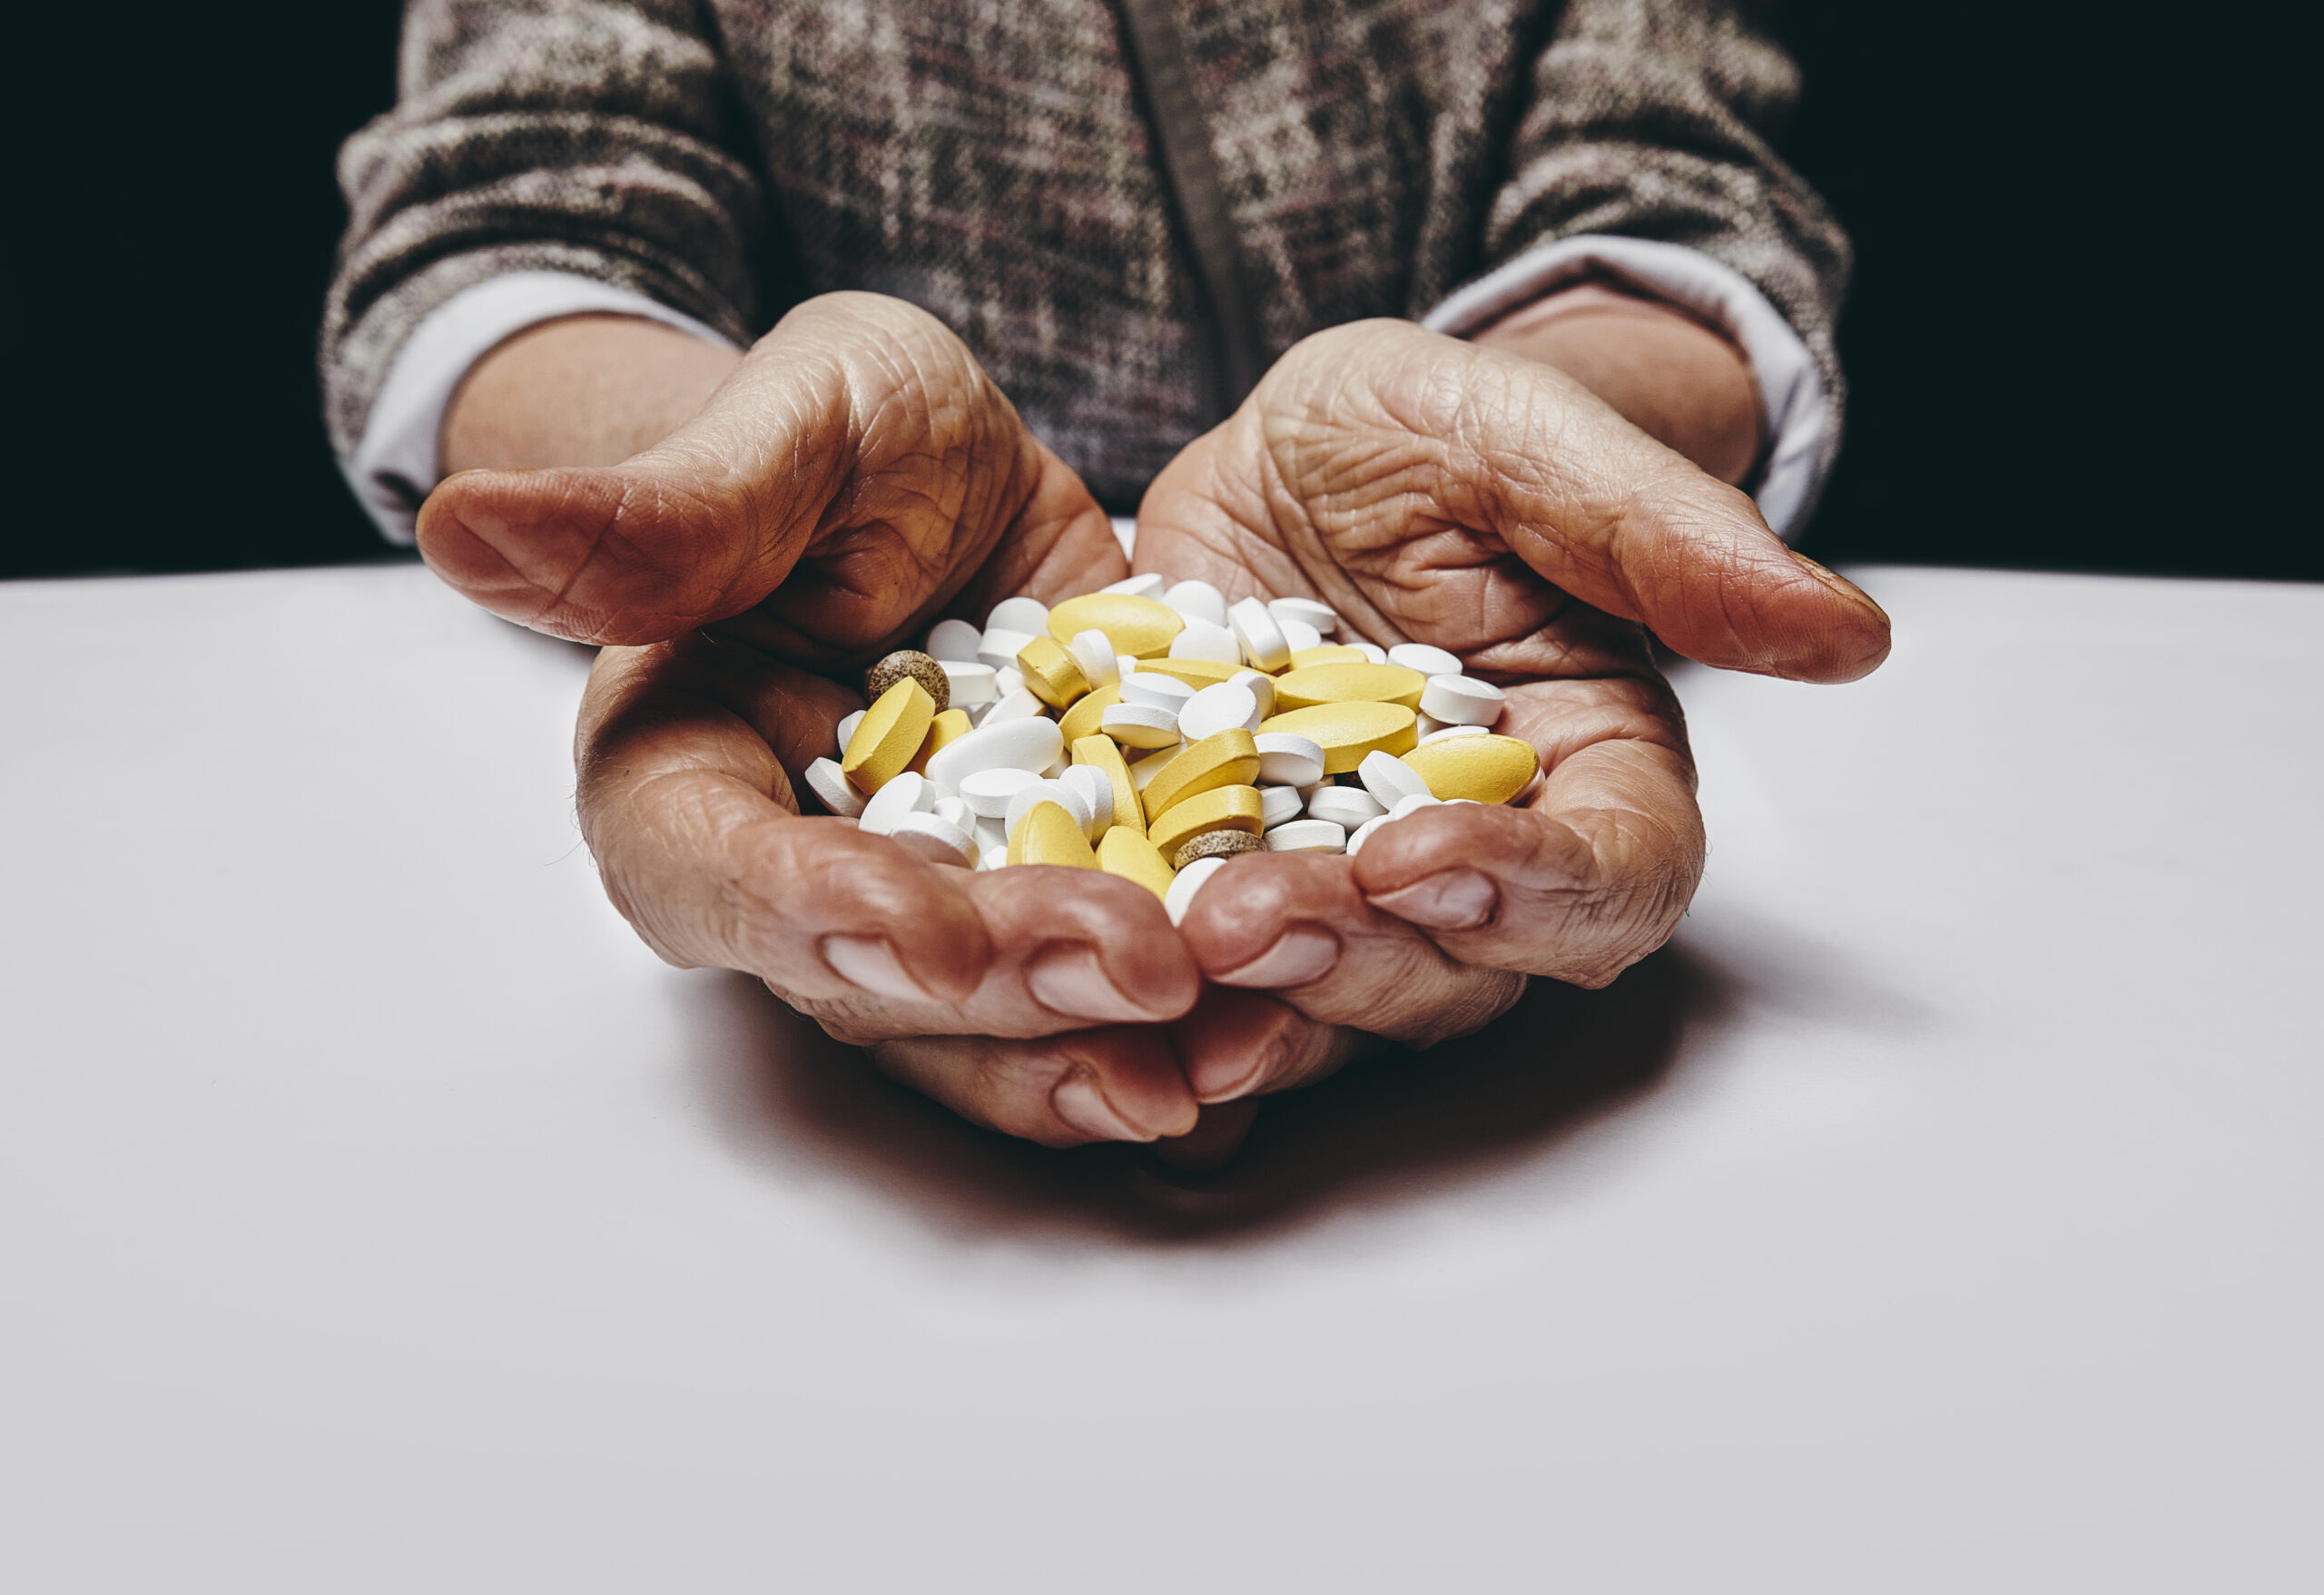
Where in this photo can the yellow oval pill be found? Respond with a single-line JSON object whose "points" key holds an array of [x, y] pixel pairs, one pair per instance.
{"points": [[1088, 711], [1346, 731], [1125, 852], [1225, 807], [1310, 684], [1328, 653], [1140, 627], [1051, 675], [887, 736], [1230, 758], [1104, 756], [949, 726], [1049, 835], [1196, 674], [1483, 768]]}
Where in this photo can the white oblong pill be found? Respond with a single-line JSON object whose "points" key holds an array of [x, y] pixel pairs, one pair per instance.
{"points": [[907, 793], [1258, 634], [1458, 700], [1223, 707], [1019, 704], [1372, 652], [936, 838], [1094, 652], [1197, 601], [1261, 687], [1279, 805], [1200, 639], [954, 642], [1346, 805], [1029, 616], [847, 724], [987, 791], [1306, 836], [831, 789], [1147, 585], [1307, 612], [1029, 742], [1140, 725], [1146, 767], [1047, 792], [972, 684], [1415, 804], [1299, 636], [1156, 691], [1288, 759], [995, 857], [1000, 647], [1391, 780], [1096, 791], [1443, 731], [1190, 880], [1424, 658], [1362, 833]]}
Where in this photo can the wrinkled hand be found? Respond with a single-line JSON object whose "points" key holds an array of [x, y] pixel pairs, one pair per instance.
{"points": [[857, 476], [1434, 491]]}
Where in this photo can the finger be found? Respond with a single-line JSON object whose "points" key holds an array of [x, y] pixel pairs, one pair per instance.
{"points": [[1117, 1084], [1217, 1137], [1237, 1044], [851, 396], [1584, 498], [685, 807], [1295, 925]]}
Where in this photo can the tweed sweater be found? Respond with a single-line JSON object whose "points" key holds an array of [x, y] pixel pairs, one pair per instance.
{"points": [[1000, 163]]}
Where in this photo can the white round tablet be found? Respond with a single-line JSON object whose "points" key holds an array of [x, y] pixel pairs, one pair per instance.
{"points": [[1190, 880], [1346, 805], [1391, 780], [1442, 733], [1029, 616], [1094, 652], [1197, 601], [1201, 639], [908, 793], [953, 811], [973, 684], [935, 838], [1008, 679], [1260, 638], [1279, 805], [1147, 766], [832, 789], [1415, 804], [1156, 691], [952, 640], [847, 724], [1223, 707], [1306, 836], [1457, 700], [1000, 645], [1096, 791], [995, 857], [1019, 704], [1307, 612], [1028, 742], [1149, 586], [987, 791], [1261, 687], [1299, 636], [1047, 792], [1288, 759], [1372, 652], [1140, 725], [1427, 660], [1362, 833]]}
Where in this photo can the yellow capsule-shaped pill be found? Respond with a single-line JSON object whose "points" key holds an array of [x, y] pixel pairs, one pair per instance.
{"points": [[1196, 674], [1483, 768], [1087, 710], [1104, 756], [1328, 653], [949, 726], [1049, 835], [1140, 627], [1346, 731], [888, 736], [1123, 851], [1225, 807], [1051, 675], [1230, 758], [1310, 684]]}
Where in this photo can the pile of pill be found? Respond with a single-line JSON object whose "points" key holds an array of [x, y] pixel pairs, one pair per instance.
{"points": [[1155, 732]]}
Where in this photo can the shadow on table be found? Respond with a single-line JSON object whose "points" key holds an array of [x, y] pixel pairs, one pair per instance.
{"points": [[1394, 1128]]}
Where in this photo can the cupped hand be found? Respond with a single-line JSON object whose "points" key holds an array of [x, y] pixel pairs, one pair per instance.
{"points": [[856, 477], [1435, 491]]}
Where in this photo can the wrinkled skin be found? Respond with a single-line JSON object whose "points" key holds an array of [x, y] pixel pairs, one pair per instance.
{"points": [[859, 476]]}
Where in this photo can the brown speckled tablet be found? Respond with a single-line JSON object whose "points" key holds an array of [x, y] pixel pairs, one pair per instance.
{"points": [[912, 663], [1218, 844]]}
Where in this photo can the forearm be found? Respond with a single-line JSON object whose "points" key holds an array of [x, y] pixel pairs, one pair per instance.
{"points": [[586, 390], [1668, 374]]}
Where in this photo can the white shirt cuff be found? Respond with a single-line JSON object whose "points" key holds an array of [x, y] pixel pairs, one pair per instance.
{"points": [[1792, 389], [396, 465]]}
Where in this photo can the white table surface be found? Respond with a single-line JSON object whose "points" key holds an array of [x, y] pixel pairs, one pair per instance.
{"points": [[1939, 1213]]}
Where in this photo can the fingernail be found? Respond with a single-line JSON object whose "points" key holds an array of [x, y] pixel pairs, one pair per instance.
{"points": [[1069, 977], [870, 962], [1077, 1100], [1300, 955], [1836, 581], [1450, 900]]}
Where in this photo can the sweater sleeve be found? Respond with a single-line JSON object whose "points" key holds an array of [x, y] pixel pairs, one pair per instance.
{"points": [[1653, 122], [584, 137]]}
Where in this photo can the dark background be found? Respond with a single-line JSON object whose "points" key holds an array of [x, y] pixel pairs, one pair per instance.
{"points": [[2030, 384]]}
